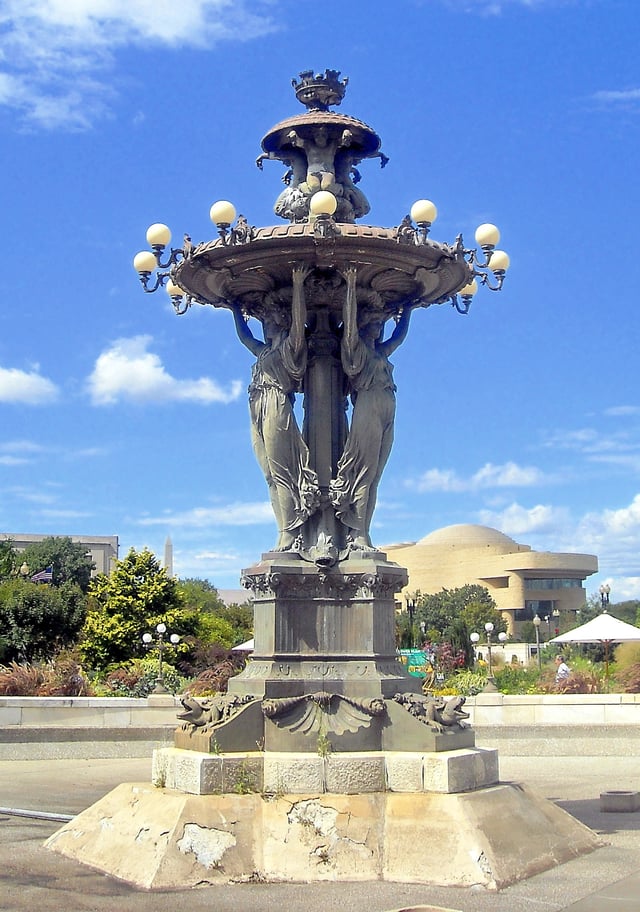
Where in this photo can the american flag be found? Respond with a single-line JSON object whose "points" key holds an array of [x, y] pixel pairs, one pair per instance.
{"points": [[44, 576]]}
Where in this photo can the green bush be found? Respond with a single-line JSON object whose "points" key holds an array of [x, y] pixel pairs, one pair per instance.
{"points": [[465, 682], [517, 679], [138, 678]]}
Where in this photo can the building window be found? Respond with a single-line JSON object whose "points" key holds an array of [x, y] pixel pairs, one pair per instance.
{"points": [[540, 607], [558, 583], [523, 614]]}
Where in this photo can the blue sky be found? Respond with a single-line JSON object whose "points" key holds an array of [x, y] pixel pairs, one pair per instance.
{"points": [[119, 418]]}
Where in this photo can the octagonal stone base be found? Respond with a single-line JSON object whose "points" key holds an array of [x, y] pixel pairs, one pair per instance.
{"points": [[164, 838]]}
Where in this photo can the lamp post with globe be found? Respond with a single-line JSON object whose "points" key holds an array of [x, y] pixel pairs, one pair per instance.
{"points": [[502, 638], [536, 624], [147, 639]]}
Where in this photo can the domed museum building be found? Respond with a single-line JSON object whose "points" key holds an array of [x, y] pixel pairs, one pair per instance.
{"points": [[522, 582]]}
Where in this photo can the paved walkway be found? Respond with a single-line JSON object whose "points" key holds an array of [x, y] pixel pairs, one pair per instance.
{"points": [[35, 879]]}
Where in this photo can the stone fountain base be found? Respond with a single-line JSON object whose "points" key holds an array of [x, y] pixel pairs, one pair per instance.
{"points": [[406, 817]]}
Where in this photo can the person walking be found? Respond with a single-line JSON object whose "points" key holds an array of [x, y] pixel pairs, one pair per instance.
{"points": [[562, 670]]}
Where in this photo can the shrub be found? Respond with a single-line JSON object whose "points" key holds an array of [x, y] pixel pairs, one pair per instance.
{"points": [[467, 683], [138, 678], [627, 655], [579, 682], [21, 680], [216, 679], [66, 678], [62, 677], [629, 678], [517, 679]]}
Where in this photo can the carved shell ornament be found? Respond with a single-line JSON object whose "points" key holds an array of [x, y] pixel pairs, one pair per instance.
{"points": [[322, 713]]}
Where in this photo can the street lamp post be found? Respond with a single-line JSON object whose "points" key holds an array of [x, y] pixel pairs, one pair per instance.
{"points": [[556, 621], [411, 611], [605, 589], [536, 623], [147, 639], [502, 638]]}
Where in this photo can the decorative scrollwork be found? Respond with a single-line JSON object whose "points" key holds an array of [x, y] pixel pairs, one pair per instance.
{"points": [[322, 712]]}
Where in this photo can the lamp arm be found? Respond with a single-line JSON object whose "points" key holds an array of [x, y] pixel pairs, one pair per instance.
{"points": [[173, 256]]}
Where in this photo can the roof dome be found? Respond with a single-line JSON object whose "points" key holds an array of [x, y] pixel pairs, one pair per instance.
{"points": [[466, 535]]}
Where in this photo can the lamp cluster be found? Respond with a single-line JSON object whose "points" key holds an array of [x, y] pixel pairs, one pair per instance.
{"points": [[487, 236], [488, 267]]}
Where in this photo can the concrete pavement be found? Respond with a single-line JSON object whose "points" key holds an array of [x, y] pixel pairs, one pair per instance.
{"points": [[33, 879]]}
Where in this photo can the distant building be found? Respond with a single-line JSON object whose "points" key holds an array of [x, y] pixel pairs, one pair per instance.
{"points": [[234, 596], [103, 549], [522, 582]]}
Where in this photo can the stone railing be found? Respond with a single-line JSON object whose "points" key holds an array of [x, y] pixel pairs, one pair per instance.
{"points": [[550, 724], [554, 709], [557, 724], [56, 727]]}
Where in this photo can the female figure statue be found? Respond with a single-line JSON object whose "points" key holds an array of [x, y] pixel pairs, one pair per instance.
{"points": [[277, 442], [365, 361]]}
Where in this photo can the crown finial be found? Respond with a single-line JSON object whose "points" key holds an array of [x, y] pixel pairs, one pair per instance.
{"points": [[317, 92]]}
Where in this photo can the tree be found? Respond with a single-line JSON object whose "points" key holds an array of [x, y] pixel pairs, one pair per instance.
{"points": [[234, 623], [440, 610], [628, 611], [68, 560], [132, 600], [200, 595], [8, 559], [460, 640], [591, 609], [241, 619], [38, 620], [476, 614]]}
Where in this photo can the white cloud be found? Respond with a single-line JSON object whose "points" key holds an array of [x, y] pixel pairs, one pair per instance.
{"points": [[65, 514], [127, 371], [26, 387], [13, 460], [621, 447], [56, 53], [623, 411], [518, 520], [30, 495], [217, 556], [625, 587], [624, 521], [496, 7], [438, 480], [235, 514], [613, 535], [617, 96], [508, 475]]}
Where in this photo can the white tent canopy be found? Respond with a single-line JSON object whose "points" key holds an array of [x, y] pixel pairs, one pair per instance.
{"points": [[249, 647], [605, 629], [602, 629]]}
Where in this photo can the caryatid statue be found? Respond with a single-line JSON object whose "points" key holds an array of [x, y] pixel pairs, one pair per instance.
{"points": [[365, 360], [282, 453], [277, 375]]}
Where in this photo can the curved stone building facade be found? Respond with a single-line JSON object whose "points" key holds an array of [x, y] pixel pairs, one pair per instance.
{"points": [[523, 582]]}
